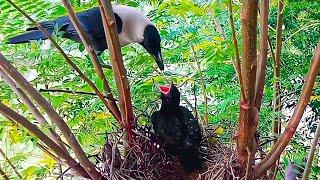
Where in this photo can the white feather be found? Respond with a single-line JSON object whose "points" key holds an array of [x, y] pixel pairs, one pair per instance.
{"points": [[133, 24]]}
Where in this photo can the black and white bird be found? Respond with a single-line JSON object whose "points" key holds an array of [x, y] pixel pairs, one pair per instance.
{"points": [[177, 130], [133, 27]]}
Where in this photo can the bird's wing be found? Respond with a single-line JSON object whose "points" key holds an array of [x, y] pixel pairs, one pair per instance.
{"points": [[91, 21], [190, 124]]}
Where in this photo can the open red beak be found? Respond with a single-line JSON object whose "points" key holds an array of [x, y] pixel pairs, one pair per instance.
{"points": [[164, 90]]}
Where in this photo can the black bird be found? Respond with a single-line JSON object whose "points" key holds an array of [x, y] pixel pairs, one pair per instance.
{"points": [[177, 129], [132, 24]]}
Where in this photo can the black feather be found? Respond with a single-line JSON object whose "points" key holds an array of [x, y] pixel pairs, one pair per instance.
{"points": [[90, 20], [178, 131]]}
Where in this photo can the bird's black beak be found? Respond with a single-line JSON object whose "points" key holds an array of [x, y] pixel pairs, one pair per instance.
{"points": [[159, 60]]}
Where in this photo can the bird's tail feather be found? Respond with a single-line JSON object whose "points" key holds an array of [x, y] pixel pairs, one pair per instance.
{"points": [[26, 37]]}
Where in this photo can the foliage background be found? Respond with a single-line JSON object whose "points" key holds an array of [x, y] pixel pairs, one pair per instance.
{"points": [[184, 25]]}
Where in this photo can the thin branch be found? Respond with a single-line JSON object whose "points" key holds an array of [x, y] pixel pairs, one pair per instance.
{"points": [[3, 174], [69, 61], [291, 128], [71, 92], [98, 68], [236, 64], [46, 150], [63, 173], [118, 68], [10, 163], [203, 87], [6, 111], [315, 142], [271, 50], [306, 26], [261, 66], [247, 175], [218, 27], [39, 145], [277, 84], [27, 88], [33, 109], [143, 112], [277, 76]]}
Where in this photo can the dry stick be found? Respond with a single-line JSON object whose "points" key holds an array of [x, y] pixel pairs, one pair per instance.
{"points": [[10, 163], [291, 128], [74, 66], [27, 88], [33, 109], [118, 68], [261, 67], [277, 83], [3, 174], [315, 142], [98, 68], [249, 115], [71, 92], [236, 64], [6, 111], [203, 87]]}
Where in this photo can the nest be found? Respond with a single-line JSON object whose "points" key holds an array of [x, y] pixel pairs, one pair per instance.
{"points": [[145, 159]]}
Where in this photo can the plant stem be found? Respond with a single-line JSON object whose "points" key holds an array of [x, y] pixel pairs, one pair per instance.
{"points": [[69, 61], [277, 68], [237, 64], [261, 66], [10, 163], [277, 74], [34, 110], [93, 56], [6, 111], [3, 174], [203, 87], [315, 142], [118, 68], [249, 115], [27, 88], [291, 128]]}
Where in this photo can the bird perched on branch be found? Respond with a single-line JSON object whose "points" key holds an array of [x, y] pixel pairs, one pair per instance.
{"points": [[133, 27], [177, 130]]}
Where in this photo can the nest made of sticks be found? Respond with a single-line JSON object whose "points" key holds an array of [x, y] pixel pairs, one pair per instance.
{"points": [[146, 160]]}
